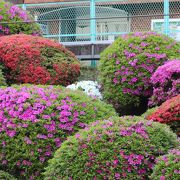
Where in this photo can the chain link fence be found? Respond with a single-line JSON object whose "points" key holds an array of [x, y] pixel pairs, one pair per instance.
{"points": [[103, 21], [88, 26]]}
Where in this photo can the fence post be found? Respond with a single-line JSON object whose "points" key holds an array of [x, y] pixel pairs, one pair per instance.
{"points": [[166, 17], [93, 28], [24, 7]]}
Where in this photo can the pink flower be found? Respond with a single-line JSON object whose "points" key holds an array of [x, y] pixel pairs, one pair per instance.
{"points": [[162, 178]]}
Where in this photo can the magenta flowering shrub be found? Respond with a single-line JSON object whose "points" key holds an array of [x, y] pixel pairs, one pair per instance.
{"points": [[35, 120], [127, 66], [12, 13], [117, 148], [166, 82], [168, 166]]}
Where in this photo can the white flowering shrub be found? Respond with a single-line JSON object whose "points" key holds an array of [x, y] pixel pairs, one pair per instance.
{"points": [[91, 88]]}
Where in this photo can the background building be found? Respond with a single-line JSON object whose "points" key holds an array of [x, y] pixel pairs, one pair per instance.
{"points": [[88, 26]]}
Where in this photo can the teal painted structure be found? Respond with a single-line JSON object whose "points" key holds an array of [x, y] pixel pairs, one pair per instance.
{"points": [[78, 12], [92, 22], [166, 17]]}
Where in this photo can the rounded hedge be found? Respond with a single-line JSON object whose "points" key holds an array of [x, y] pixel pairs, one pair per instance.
{"points": [[168, 113], [11, 13], [168, 166], [127, 65], [117, 148], [166, 82], [5, 176], [36, 60], [35, 120]]}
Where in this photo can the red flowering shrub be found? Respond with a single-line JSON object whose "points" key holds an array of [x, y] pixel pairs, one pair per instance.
{"points": [[166, 82], [35, 120], [36, 60], [168, 113], [114, 149]]}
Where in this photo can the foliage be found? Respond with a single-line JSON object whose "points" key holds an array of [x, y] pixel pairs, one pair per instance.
{"points": [[118, 148], [166, 82], [149, 112], [5, 176], [168, 113], [88, 73], [36, 60], [35, 120], [168, 166], [11, 14], [127, 65], [2, 79]]}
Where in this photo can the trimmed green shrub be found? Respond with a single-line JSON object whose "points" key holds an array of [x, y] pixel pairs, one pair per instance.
{"points": [[11, 13], [168, 166], [36, 60], [35, 120], [5, 176], [118, 148], [127, 65]]}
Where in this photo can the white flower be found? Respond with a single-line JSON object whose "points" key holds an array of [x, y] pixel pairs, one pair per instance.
{"points": [[91, 88]]}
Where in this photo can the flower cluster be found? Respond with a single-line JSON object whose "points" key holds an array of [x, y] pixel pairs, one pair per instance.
{"points": [[35, 120], [91, 88], [127, 66], [168, 113], [167, 166], [11, 13], [117, 148], [166, 82], [29, 59]]}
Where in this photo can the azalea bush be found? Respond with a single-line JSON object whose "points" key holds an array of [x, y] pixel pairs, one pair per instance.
{"points": [[36, 60], [6, 176], [35, 120], [127, 65], [11, 13], [168, 166], [117, 148], [168, 113], [91, 88], [166, 82]]}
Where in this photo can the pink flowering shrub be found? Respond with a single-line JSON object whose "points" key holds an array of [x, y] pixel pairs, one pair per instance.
{"points": [[168, 166], [166, 82], [127, 66], [35, 120], [117, 148], [12, 13]]}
